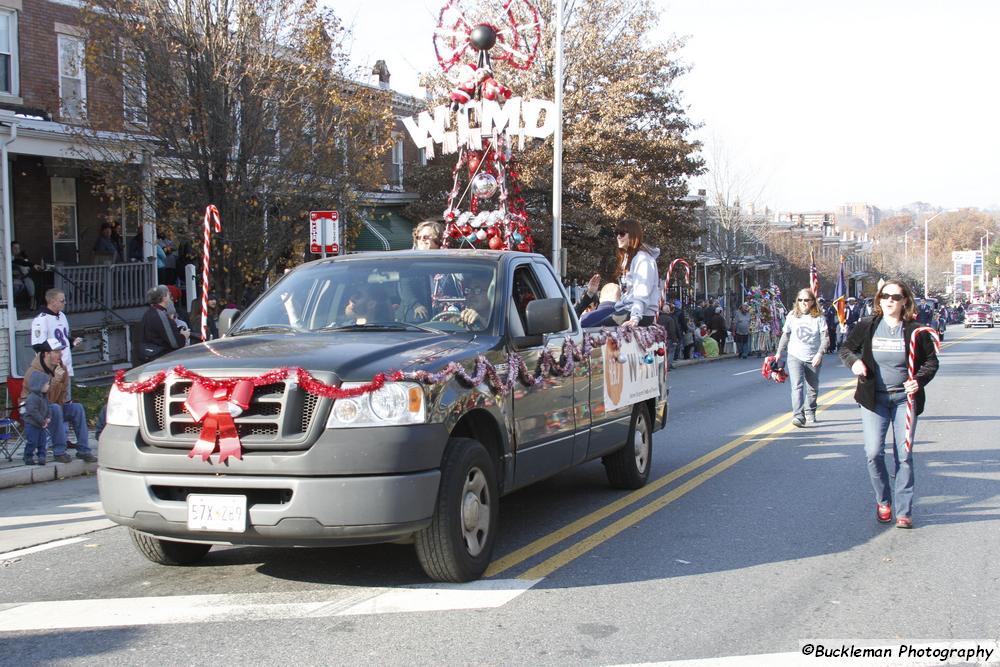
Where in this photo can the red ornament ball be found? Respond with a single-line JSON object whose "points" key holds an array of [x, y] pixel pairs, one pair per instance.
{"points": [[474, 159], [523, 247], [454, 232], [495, 243]]}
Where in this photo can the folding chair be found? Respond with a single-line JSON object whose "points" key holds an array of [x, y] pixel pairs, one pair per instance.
{"points": [[11, 433]]}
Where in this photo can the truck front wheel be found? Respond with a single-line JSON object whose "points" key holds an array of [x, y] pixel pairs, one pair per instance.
{"points": [[165, 552], [628, 468], [458, 545]]}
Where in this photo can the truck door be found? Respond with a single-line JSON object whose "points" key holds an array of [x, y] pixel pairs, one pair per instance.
{"points": [[544, 421]]}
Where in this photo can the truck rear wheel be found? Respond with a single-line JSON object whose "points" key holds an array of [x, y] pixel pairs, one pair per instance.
{"points": [[458, 545], [628, 468], [165, 552]]}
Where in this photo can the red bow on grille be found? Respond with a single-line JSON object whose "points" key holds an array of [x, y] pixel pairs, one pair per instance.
{"points": [[214, 410]]}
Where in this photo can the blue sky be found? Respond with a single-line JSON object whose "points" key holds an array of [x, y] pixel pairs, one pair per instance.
{"points": [[883, 101]]}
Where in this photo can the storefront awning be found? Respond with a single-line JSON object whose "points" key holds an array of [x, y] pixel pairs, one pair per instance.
{"points": [[384, 229]]}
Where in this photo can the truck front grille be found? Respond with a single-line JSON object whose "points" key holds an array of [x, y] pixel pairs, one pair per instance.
{"points": [[281, 416]]}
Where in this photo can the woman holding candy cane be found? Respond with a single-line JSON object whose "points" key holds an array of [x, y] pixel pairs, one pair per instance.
{"points": [[876, 351]]}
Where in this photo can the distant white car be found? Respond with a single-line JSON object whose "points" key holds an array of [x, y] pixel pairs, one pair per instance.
{"points": [[996, 313], [979, 315]]}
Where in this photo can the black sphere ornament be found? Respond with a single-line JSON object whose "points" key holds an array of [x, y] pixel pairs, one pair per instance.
{"points": [[483, 37]]}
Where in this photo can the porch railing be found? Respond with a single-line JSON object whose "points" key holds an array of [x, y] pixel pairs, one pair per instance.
{"points": [[105, 286]]}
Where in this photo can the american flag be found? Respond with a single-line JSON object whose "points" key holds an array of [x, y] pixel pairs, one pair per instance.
{"points": [[813, 274]]}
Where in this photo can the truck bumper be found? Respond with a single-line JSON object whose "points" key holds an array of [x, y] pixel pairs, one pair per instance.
{"points": [[281, 511]]}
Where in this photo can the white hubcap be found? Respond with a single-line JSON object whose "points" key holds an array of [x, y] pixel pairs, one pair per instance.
{"points": [[475, 512]]}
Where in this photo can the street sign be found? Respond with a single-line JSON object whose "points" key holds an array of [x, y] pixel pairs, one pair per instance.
{"points": [[324, 230]]}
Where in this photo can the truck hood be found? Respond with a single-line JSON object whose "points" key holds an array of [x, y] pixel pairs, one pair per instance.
{"points": [[352, 356]]}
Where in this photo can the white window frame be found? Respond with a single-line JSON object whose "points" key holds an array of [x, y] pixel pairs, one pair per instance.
{"points": [[59, 201], [135, 111], [15, 74], [397, 161], [82, 78]]}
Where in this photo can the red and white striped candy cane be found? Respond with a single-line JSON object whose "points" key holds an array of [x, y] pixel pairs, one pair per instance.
{"points": [[211, 215], [670, 270], [910, 374]]}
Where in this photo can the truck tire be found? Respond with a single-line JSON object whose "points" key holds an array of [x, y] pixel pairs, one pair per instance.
{"points": [[165, 552], [458, 544], [628, 467]]}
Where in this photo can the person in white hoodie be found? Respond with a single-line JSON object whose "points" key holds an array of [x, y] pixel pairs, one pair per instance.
{"points": [[638, 277]]}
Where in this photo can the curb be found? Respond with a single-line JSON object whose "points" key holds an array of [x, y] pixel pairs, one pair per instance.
{"points": [[22, 474], [704, 360]]}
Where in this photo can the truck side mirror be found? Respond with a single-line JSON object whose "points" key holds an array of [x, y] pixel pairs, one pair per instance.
{"points": [[226, 319], [545, 316]]}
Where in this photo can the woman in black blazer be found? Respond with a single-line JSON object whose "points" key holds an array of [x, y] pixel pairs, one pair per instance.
{"points": [[876, 351]]}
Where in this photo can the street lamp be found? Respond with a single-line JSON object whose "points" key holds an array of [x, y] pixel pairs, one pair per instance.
{"points": [[927, 294]]}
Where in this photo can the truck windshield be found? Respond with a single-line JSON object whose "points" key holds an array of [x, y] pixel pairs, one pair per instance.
{"points": [[409, 293]]}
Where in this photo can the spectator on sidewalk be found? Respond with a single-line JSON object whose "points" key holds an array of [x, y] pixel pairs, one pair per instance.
{"points": [[35, 414], [49, 363], [717, 327], [682, 332], [158, 333], [50, 324], [741, 330]]}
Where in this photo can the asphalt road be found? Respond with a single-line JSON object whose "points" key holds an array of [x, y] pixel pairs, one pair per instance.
{"points": [[753, 539]]}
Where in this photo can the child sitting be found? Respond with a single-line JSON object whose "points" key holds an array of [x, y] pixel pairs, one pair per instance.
{"points": [[35, 413]]}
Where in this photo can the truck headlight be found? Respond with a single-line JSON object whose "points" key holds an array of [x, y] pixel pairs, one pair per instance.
{"points": [[123, 408], [395, 403]]}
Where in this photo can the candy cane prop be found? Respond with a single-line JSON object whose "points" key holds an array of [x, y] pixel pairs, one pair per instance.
{"points": [[910, 375], [670, 270], [211, 215]]}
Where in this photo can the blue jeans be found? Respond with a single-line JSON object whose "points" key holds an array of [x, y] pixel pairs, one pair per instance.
{"points": [[34, 442], [890, 409], [68, 413], [742, 345], [805, 385]]}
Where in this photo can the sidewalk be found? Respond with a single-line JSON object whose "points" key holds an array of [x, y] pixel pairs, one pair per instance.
{"points": [[15, 473]]}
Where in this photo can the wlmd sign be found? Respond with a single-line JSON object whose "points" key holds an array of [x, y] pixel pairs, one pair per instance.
{"points": [[517, 117]]}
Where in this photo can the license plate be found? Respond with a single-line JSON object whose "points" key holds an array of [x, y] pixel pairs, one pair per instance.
{"points": [[226, 514]]}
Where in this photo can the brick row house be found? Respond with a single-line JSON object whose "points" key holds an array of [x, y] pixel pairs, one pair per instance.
{"points": [[48, 195], [54, 210]]}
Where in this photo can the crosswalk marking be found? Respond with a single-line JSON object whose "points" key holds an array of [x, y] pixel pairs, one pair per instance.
{"points": [[96, 613]]}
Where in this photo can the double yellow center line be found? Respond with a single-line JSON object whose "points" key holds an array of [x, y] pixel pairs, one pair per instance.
{"points": [[760, 436]]}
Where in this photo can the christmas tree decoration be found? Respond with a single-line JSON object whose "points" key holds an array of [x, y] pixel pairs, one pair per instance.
{"points": [[470, 38]]}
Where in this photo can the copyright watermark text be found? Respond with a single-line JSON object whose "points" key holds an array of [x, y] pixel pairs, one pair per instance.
{"points": [[971, 652]]}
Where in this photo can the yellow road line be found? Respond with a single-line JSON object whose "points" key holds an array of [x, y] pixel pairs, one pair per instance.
{"points": [[541, 544], [573, 552]]}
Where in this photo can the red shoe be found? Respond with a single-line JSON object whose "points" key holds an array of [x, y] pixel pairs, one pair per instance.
{"points": [[883, 512], [904, 522]]}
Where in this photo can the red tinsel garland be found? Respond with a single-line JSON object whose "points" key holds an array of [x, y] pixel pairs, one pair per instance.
{"points": [[310, 384]]}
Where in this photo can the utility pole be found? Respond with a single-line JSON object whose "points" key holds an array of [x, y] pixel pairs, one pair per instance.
{"points": [[557, 253]]}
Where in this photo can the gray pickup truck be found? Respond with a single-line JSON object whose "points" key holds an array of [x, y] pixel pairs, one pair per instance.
{"points": [[423, 459]]}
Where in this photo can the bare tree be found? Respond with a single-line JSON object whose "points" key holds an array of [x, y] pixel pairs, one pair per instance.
{"points": [[245, 104], [627, 151], [734, 222]]}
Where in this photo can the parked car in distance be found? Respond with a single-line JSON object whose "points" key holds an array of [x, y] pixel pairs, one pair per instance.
{"points": [[979, 315], [996, 313]]}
